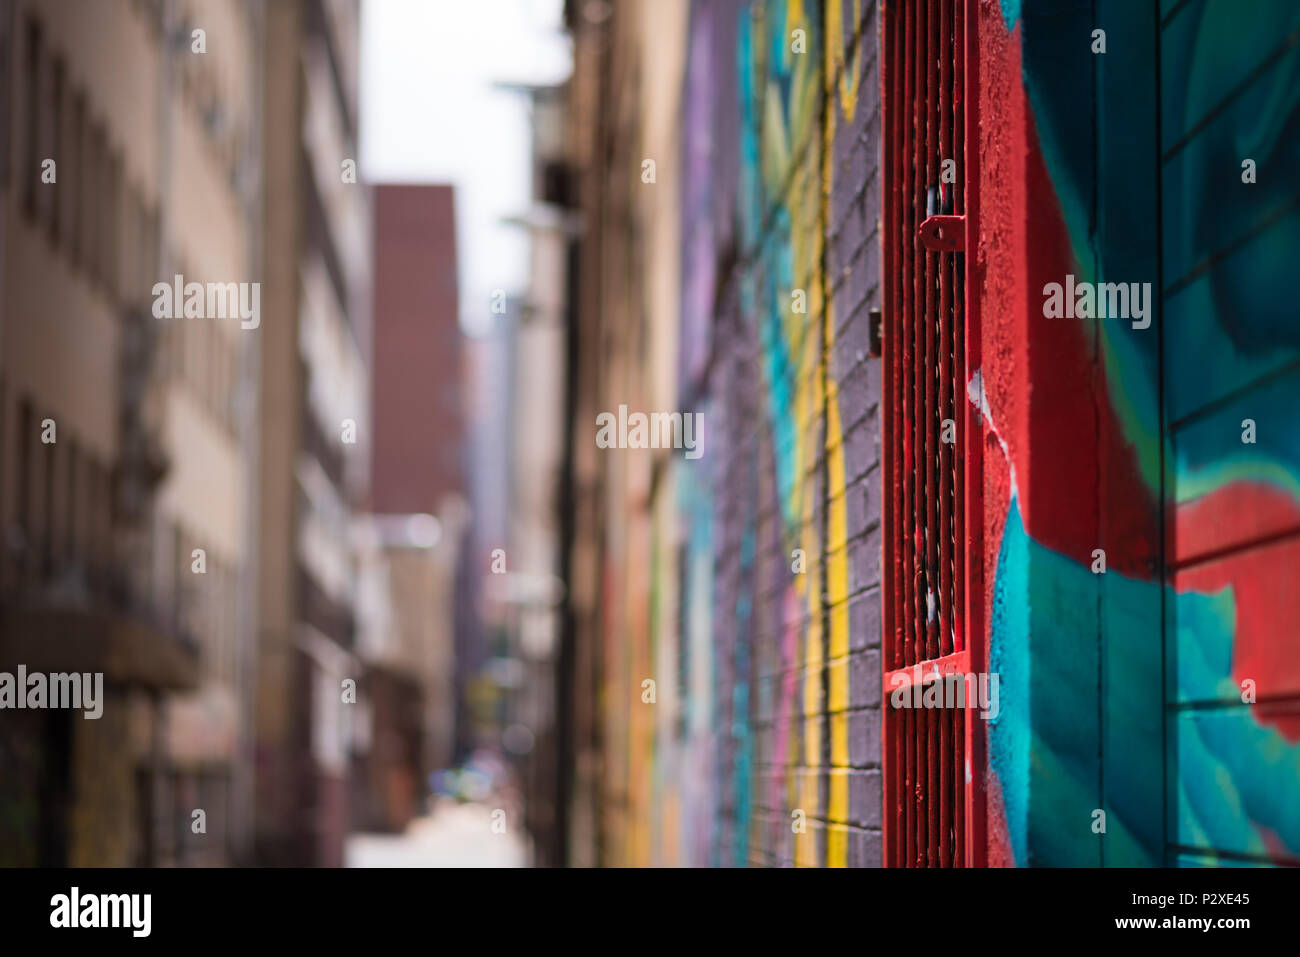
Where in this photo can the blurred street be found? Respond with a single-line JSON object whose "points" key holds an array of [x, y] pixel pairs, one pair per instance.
{"points": [[623, 433], [454, 835]]}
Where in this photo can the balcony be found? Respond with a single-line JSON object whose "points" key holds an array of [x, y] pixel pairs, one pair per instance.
{"points": [[76, 616], [315, 607], [319, 446]]}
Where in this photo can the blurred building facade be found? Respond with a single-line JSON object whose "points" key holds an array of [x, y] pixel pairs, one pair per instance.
{"points": [[484, 663], [527, 586], [315, 442], [408, 701], [125, 473], [419, 402], [413, 540]]}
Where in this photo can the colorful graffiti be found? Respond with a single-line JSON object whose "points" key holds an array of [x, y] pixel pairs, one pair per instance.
{"points": [[1180, 439], [779, 553], [1121, 689]]}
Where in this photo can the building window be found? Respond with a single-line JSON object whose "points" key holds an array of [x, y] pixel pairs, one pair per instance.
{"points": [[32, 144], [76, 175], [70, 515], [49, 453], [109, 235], [93, 205], [26, 428], [98, 518], [57, 154]]}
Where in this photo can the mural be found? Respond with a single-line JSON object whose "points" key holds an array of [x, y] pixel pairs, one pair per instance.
{"points": [[1190, 424], [768, 566], [1168, 447]]}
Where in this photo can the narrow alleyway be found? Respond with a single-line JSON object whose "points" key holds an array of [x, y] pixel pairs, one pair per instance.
{"points": [[454, 835]]}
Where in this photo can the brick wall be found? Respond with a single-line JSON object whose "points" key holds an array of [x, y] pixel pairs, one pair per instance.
{"points": [[744, 583]]}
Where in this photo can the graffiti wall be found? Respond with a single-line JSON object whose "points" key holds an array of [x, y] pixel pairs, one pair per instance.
{"points": [[1141, 457], [780, 559], [761, 745], [1142, 482]]}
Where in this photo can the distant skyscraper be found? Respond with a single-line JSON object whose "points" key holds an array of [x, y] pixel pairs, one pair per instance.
{"points": [[418, 401]]}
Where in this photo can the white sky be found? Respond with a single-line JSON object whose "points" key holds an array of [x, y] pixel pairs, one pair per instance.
{"points": [[429, 114]]}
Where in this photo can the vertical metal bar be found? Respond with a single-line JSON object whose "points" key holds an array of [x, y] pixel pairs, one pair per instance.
{"points": [[947, 359], [958, 720], [902, 384], [918, 331], [908, 247], [906, 435], [975, 797], [959, 346], [923, 298], [887, 353], [947, 350], [897, 279], [932, 344], [909, 800], [909, 259], [899, 809], [945, 785], [931, 422]]}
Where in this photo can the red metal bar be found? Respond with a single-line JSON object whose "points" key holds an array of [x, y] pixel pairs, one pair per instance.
{"points": [[888, 350], [975, 792], [924, 298], [919, 319], [951, 366], [962, 371], [931, 423], [950, 353], [931, 591], [934, 756], [920, 91], [906, 435], [897, 191], [959, 782], [945, 789], [893, 729], [907, 279]]}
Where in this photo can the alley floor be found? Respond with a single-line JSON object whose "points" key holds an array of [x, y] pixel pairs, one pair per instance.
{"points": [[453, 835]]}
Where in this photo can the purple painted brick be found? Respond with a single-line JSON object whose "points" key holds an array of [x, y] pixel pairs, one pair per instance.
{"points": [[864, 798], [865, 848], [864, 738], [864, 620], [864, 561], [864, 679]]}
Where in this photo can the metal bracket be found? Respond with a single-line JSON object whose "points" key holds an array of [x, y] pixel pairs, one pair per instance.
{"points": [[943, 234]]}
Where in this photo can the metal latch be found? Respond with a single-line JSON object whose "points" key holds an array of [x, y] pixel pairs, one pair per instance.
{"points": [[943, 234]]}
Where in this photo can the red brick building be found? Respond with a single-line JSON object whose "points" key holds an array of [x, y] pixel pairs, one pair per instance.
{"points": [[418, 399]]}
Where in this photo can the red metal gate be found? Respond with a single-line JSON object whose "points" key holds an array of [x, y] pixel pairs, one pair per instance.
{"points": [[932, 597]]}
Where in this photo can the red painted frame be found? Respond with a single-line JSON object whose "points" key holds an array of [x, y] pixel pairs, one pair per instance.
{"points": [[898, 821]]}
